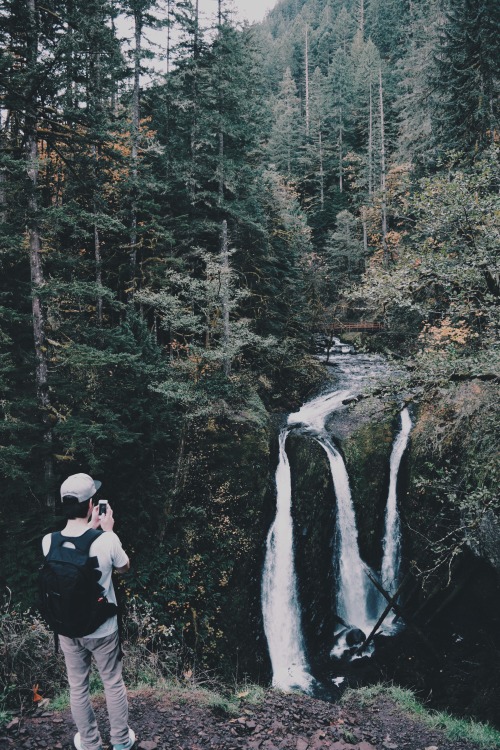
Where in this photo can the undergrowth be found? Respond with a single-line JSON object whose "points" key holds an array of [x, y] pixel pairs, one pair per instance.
{"points": [[454, 728], [150, 661]]}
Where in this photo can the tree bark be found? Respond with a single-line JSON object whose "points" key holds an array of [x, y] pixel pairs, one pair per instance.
{"points": [[169, 11], [361, 19], [221, 108], [382, 169], [98, 269], [307, 80], [138, 24], [321, 173], [365, 231], [36, 268], [225, 298], [370, 145], [341, 156]]}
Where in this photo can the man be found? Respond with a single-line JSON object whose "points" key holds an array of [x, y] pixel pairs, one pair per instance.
{"points": [[103, 644]]}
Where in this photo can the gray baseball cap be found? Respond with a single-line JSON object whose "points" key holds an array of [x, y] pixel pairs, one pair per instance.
{"points": [[81, 486]]}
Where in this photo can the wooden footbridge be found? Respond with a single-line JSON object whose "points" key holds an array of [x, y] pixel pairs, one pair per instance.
{"points": [[360, 327]]}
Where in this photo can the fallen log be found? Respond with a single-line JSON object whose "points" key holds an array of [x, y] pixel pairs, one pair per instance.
{"points": [[382, 617], [397, 609]]}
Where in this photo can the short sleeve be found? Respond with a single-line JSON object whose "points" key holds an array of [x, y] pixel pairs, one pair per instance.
{"points": [[46, 544], [119, 557]]}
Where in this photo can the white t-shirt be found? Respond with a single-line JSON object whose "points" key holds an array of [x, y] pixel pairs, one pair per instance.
{"points": [[110, 554]]}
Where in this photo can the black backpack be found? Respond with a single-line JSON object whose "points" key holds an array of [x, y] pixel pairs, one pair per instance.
{"points": [[72, 601]]}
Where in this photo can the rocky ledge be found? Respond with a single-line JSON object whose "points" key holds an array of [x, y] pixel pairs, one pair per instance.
{"points": [[278, 722]]}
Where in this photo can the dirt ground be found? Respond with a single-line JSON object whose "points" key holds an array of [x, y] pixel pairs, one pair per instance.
{"points": [[279, 722]]}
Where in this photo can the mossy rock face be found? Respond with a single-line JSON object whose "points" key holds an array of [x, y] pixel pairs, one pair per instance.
{"points": [[367, 454], [454, 473], [364, 434], [313, 510]]}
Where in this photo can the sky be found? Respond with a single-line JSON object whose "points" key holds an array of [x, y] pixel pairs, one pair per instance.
{"points": [[251, 10], [244, 10]]}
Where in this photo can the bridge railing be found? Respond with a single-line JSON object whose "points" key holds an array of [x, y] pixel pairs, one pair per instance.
{"points": [[362, 326]]}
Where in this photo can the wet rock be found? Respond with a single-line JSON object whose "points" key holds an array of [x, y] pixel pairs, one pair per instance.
{"points": [[354, 637]]}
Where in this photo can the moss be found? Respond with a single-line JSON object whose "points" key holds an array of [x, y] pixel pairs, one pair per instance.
{"points": [[367, 454], [314, 523]]}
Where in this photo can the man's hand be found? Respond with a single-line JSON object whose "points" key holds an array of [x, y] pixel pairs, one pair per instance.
{"points": [[107, 520], [94, 521]]}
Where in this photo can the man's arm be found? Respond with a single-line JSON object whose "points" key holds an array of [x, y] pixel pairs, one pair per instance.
{"points": [[124, 568], [107, 522]]}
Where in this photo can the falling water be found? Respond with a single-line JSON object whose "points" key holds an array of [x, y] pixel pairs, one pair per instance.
{"points": [[353, 583], [358, 603], [280, 606], [392, 537]]}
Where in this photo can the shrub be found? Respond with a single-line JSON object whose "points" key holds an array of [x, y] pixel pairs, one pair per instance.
{"points": [[28, 659]]}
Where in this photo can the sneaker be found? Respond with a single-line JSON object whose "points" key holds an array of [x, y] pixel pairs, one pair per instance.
{"points": [[129, 744], [77, 742]]}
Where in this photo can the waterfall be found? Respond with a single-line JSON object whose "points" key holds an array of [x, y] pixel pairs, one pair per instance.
{"points": [[358, 602], [353, 586], [280, 606], [313, 414], [392, 536]]}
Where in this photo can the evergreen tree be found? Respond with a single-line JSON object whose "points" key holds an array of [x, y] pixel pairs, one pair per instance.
{"points": [[467, 75], [287, 131]]}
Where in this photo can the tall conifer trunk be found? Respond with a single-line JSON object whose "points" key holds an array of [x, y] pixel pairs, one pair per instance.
{"points": [[321, 172], [98, 264], [94, 98], [365, 230], [194, 123], [307, 80], [221, 108], [224, 236], [382, 170], [225, 298], [370, 144], [35, 256], [361, 19], [3, 178], [341, 155], [138, 24]]}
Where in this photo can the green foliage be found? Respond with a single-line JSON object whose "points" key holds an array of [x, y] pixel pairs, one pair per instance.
{"points": [[453, 728], [445, 271], [467, 75]]}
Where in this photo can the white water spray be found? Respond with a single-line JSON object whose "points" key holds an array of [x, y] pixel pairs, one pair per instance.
{"points": [[391, 560], [358, 603], [353, 584], [280, 606], [312, 415]]}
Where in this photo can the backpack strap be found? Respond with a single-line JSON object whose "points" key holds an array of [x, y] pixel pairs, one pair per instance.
{"points": [[82, 543]]}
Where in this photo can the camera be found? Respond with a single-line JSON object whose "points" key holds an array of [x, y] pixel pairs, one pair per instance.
{"points": [[103, 507]]}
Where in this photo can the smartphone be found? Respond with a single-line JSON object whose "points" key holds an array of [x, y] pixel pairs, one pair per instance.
{"points": [[103, 507]]}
